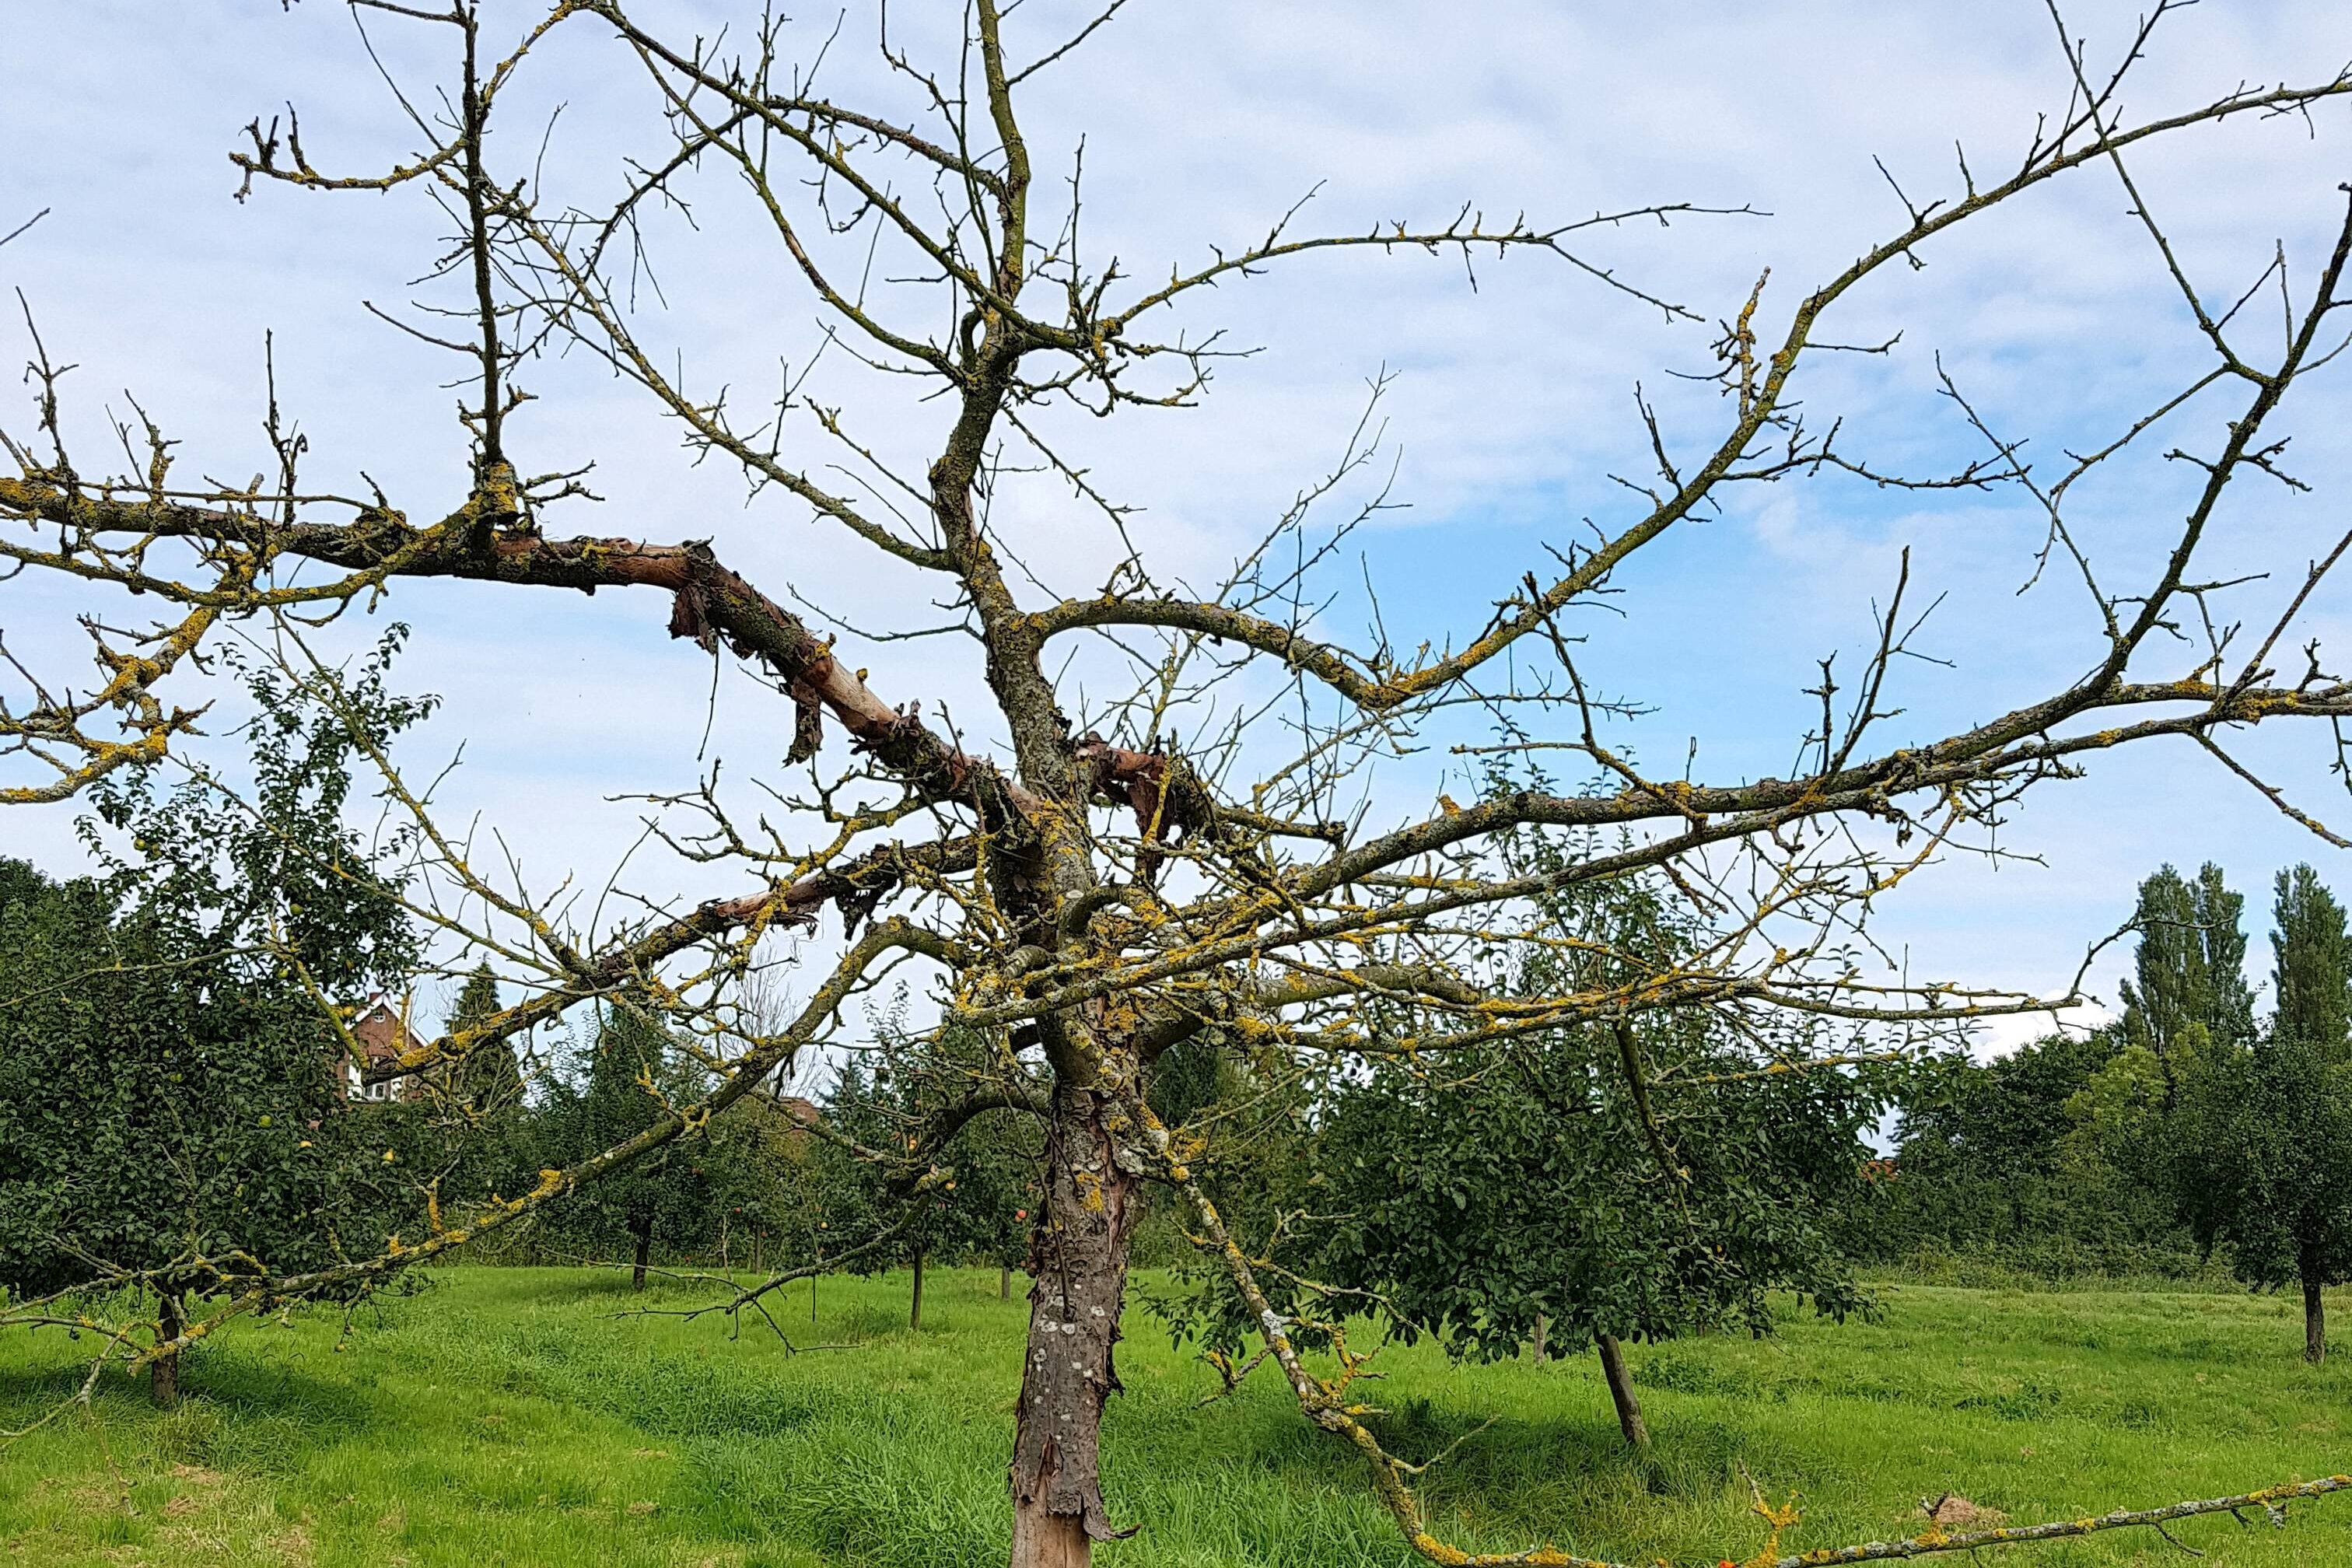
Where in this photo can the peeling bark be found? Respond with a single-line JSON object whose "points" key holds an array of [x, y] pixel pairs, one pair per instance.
{"points": [[1079, 1262]]}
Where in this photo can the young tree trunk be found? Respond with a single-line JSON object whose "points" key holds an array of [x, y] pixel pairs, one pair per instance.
{"points": [[1621, 1392], [2315, 1320], [1003, 1283], [1077, 1264], [915, 1314], [1543, 1335], [644, 1231], [164, 1371]]}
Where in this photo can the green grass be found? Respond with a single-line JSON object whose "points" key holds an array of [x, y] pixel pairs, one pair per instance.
{"points": [[510, 1417]]}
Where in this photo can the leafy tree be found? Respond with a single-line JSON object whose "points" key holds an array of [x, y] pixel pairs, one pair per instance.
{"points": [[1572, 1188], [467, 1127], [2311, 967], [2115, 1184], [2062, 1157], [979, 1209], [2267, 1134], [488, 1082], [766, 1181], [2189, 992], [1528, 1200], [170, 1112], [631, 1070], [2047, 1159]]}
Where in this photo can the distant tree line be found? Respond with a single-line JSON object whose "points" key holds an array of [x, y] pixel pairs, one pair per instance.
{"points": [[2189, 1135], [168, 1099]]}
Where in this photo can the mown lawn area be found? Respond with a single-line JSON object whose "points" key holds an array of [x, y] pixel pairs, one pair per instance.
{"points": [[523, 1417]]}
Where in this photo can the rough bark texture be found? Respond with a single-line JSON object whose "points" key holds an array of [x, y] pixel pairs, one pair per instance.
{"points": [[2314, 1321], [1621, 1392], [1004, 1284], [915, 1313], [163, 1373], [1079, 1262]]}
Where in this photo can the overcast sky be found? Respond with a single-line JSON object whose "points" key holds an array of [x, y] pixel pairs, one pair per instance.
{"points": [[1510, 408]]}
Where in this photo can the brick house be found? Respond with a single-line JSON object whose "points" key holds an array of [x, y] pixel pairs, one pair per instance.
{"points": [[382, 1038]]}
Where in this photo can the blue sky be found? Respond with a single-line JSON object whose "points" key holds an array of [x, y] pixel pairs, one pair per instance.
{"points": [[1510, 407]]}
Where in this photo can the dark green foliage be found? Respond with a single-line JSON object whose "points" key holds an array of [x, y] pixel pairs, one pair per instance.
{"points": [[2311, 969], [2049, 1160], [2265, 1134], [2190, 986], [1249, 1118], [285, 880], [1576, 1182], [979, 1213], [627, 1075], [156, 1104], [766, 1201], [2269, 1138], [488, 1083], [2003, 1120], [168, 1099], [1477, 1205], [2064, 1157], [469, 1131]]}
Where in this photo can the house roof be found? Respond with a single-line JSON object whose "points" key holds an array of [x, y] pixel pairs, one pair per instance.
{"points": [[381, 1033]]}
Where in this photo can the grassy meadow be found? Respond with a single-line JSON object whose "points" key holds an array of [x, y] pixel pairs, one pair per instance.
{"points": [[524, 1417]]}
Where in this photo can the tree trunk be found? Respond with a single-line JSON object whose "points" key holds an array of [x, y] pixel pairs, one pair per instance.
{"points": [[1077, 1263], [164, 1371], [644, 1235], [1543, 1335], [2315, 1320], [915, 1314], [1621, 1392], [1003, 1283]]}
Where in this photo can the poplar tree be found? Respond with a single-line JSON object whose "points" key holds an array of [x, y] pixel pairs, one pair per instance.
{"points": [[2188, 987], [2267, 1136]]}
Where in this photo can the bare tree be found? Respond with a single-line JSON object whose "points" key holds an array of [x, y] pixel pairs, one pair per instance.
{"points": [[1084, 889]]}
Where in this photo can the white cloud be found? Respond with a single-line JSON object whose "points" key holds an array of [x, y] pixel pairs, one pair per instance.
{"points": [[1202, 122]]}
